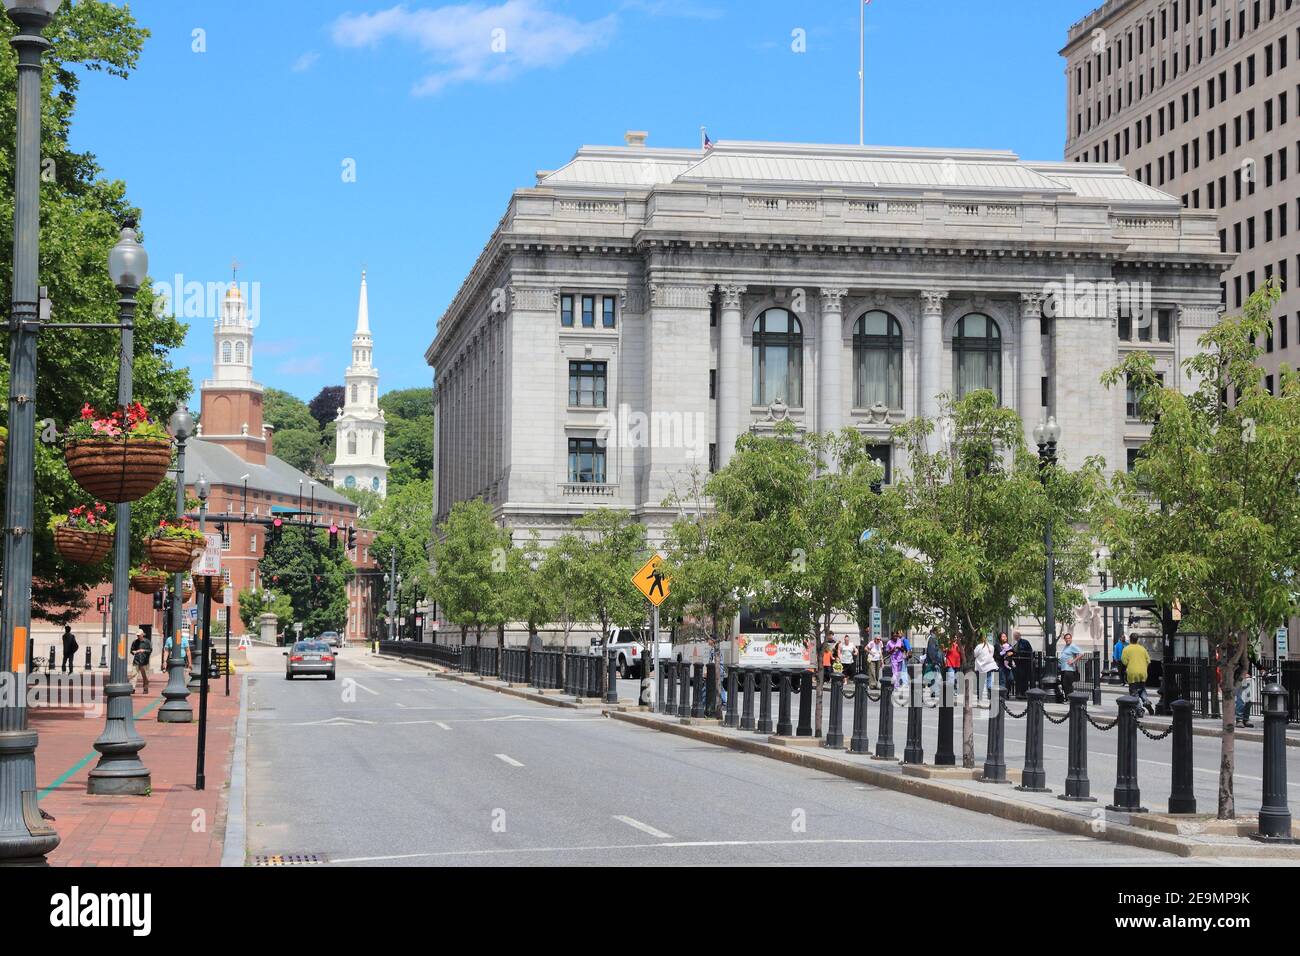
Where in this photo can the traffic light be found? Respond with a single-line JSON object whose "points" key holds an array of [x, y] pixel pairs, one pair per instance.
{"points": [[157, 600], [352, 538], [273, 533], [101, 604], [334, 536]]}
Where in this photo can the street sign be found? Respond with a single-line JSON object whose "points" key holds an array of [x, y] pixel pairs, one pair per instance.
{"points": [[228, 596], [194, 614], [208, 563], [877, 625], [651, 582], [1283, 643]]}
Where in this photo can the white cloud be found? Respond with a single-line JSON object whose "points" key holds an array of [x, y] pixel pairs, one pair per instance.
{"points": [[474, 42], [305, 62]]}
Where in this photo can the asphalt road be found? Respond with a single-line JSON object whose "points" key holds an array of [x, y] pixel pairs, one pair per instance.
{"points": [[389, 765]]}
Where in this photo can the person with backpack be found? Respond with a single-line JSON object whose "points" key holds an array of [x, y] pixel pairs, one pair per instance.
{"points": [[141, 649]]}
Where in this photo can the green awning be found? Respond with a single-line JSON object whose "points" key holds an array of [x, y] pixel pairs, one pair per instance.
{"points": [[1123, 596]]}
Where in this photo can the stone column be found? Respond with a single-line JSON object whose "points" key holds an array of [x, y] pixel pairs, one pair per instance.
{"points": [[931, 351], [830, 346], [535, 440], [1030, 403], [731, 408]]}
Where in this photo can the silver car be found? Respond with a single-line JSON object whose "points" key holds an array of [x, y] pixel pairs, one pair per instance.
{"points": [[332, 639], [309, 657]]}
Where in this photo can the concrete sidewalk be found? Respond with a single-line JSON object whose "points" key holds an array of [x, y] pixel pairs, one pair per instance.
{"points": [[175, 825]]}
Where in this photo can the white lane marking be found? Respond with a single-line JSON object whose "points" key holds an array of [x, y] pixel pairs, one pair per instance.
{"points": [[334, 722], [509, 760], [684, 844], [643, 827], [439, 723], [364, 687]]}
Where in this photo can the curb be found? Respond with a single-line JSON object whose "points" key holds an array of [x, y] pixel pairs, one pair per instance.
{"points": [[989, 803], [233, 848]]}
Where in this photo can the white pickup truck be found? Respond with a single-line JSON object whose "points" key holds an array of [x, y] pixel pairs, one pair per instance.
{"points": [[631, 646]]}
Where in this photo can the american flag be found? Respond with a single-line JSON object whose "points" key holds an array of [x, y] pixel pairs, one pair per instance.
{"points": [[708, 143]]}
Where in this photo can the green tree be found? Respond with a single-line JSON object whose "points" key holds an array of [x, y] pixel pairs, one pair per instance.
{"points": [[968, 520], [301, 449], [81, 212], [797, 510], [283, 411], [471, 557], [302, 566], [404, 527], [368, 502], [325, 406], [253, 604], [408, 438], [610, 548], [1210, 515], [532, 596]]}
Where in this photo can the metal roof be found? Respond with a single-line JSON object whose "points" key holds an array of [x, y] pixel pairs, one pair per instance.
{"points": [[221, 466]]}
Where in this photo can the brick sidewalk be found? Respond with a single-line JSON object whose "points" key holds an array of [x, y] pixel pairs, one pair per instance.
{"points": [[160, 829]]}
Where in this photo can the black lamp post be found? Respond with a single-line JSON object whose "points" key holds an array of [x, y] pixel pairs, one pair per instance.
{"points": [[1046, 435], [1104, 662], [177, 709], [120, 770], [24, 836], [199, 644]]}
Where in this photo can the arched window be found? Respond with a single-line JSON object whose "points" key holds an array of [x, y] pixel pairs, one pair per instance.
{"points": [[374, 442], [778, 358], [225, 352], [354, 394], [977, 356], [239, 352], [877, 360], [352, 443]]}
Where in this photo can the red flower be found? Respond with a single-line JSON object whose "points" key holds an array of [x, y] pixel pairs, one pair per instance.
{"points": [[87, 412], [163, 523]]}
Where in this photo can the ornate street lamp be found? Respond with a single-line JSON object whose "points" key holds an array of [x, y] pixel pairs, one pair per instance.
{"points": [[177, 709], [120, 769], [199, 644], [25, 837], [1046, 435]]}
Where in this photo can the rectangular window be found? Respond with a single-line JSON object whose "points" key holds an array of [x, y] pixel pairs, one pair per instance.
{"points": [[883, 455], [607, 311], [586, 461], [713, 383], [1132, 456], [566, 311], [588, 311], [1125, 325], [586, 384], [1164, 324]]}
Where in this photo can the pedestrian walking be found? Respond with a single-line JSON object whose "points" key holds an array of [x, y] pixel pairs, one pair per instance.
{"points": [[1006, 663], [1117, 655], [897, 649], [1024, 664], [952, 666], [141, 648], [185, 650], [1136, 661], [69, 650], [932, 669], [1244, 679], [873, 651], [986, 666], [1067, 657]]}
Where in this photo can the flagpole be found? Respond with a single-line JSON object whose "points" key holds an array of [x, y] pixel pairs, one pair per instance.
{"points": [[862, 66]]}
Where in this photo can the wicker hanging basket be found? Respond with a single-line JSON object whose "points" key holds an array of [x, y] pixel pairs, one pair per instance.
{"points": [[149, 582], [173, 554], [118, 469], [210, 584], [187, 589], [83, 547]]}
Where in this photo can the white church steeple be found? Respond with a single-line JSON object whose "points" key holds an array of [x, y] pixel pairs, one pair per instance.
{"points": [[359, 433]]}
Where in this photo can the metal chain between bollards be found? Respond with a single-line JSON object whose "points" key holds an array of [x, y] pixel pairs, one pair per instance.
{"points": [[874, 700], [1011, 713], [1053, 720], [848, 694], [1102, 727], [1150, 736]]}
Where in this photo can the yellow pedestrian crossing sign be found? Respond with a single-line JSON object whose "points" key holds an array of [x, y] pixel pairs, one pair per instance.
{"points": [[651, 582]]}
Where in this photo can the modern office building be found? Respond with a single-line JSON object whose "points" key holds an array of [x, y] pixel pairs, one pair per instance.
{"points": [[1198, 98], [637, 309]]}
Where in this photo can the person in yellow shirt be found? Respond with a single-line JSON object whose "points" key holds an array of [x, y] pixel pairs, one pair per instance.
{"points": [[1135, 661]]}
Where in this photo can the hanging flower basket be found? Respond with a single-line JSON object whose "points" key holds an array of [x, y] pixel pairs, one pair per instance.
{"points": [[83, 535], [187, 589], [148, 580], [4, 438], [210, 584], [173, 547], [118, 457]]}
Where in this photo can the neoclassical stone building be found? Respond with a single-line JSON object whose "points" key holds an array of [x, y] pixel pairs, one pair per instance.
{"points": [[637, 309]]}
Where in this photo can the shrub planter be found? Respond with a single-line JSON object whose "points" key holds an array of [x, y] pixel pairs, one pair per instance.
{"points": [[173, 554], [83, 547], [118, 469]]}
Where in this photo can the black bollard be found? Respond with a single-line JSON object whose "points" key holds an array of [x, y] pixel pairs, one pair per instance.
{"points": [[660, 670], [683, 689], [835, 728], [1033, 779], [914, 749], [733, 705], [885, 730], [805, 727], [747, 712], [87, 658], [670, 687], [995, 764], [710, 690], [1077, 786], [1274, 813], [1182, 798], [611, 692], [1128, 798], [697, 690], [860, 742], [783, 726], [944, 754], [765, 702]]}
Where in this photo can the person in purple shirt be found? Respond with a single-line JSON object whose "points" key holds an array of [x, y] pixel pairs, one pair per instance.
{"points": [[897, 649]]}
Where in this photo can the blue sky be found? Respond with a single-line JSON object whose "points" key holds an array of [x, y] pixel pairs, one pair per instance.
{"points": [[239, 151]]}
